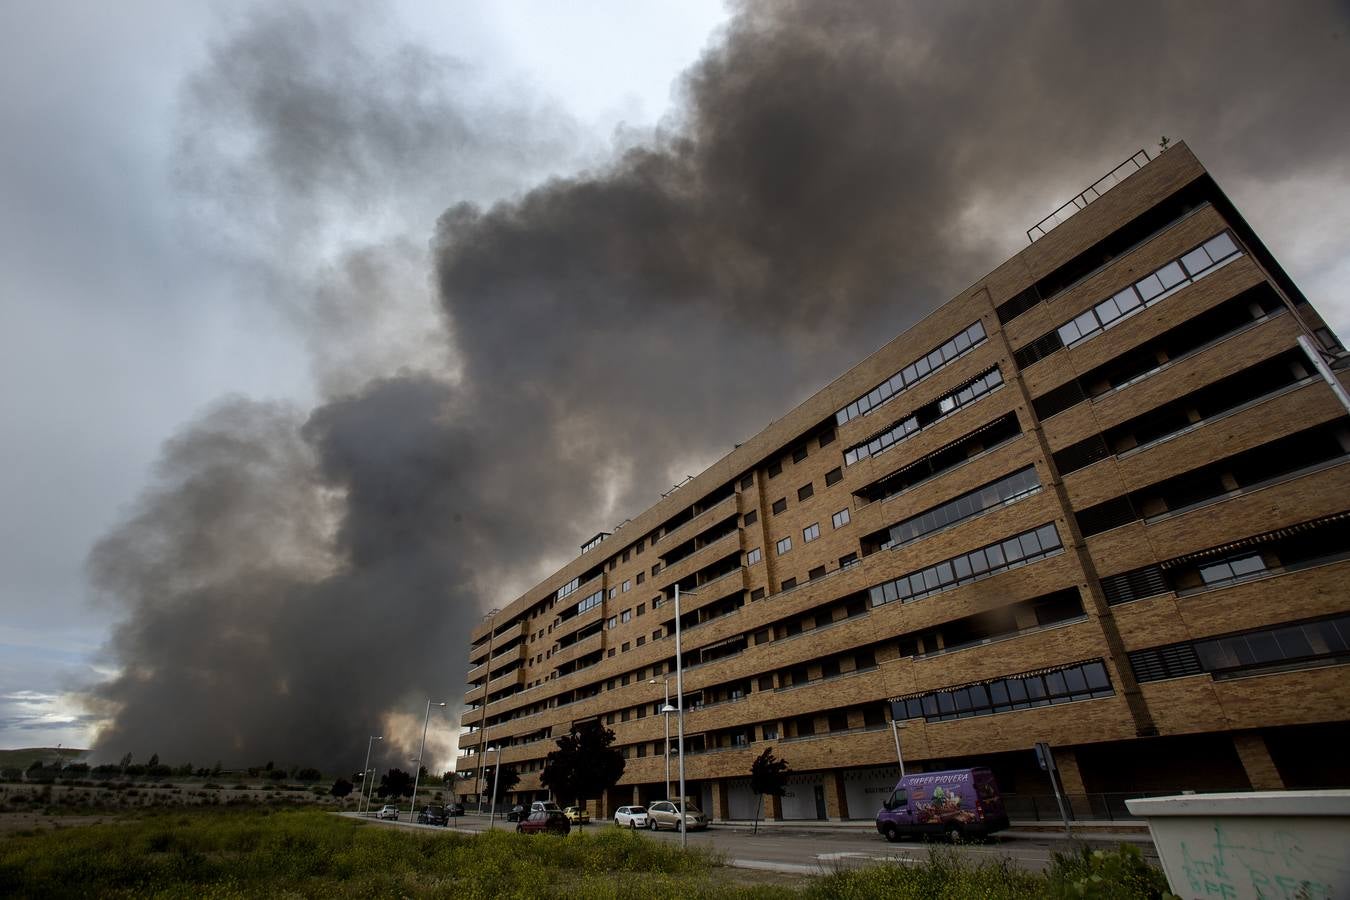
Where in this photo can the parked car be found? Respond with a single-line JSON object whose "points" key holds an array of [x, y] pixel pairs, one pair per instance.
{"points": [[631, 817], [542, 822], [517, 813], [387, 812], [545, 806], [454, 809], [432, 814], [957, 803], [577, 815], [665, 814]]}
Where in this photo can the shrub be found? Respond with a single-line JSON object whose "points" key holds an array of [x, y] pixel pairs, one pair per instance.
{"points": [[1107, 874]]}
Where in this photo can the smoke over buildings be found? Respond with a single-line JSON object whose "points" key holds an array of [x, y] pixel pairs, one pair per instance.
{"points": [[829, 173]]}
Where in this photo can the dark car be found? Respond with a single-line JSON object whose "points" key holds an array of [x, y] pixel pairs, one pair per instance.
{"points": [[432, 815], [516, 814], [454, 809], [544, 823]]}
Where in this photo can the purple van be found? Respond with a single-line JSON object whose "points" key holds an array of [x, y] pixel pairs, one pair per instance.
{"points": [[956, 803]]}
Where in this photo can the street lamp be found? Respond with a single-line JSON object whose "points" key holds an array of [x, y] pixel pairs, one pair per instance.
{"points": [[491, 617], [365, 773], [666, 709], [895, 730], [421, 753], [496, 780], [679, 699]]}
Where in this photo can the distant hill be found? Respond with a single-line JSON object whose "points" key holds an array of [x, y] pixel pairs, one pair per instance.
{"points": [[22, 759]]}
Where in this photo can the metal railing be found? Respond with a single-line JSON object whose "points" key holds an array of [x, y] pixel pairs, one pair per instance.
{"points": [[1092, 192]]}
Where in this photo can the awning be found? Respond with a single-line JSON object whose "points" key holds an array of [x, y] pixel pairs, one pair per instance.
{"points": [[1254, 540]]}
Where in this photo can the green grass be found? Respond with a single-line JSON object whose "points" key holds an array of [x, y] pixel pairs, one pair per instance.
{"points": [[22, 759], [240, 852]]}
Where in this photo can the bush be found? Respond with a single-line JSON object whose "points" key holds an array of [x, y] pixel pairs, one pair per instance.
{"points": [[1108, 874]]}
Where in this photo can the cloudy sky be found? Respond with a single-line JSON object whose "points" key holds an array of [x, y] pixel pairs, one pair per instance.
{"points": [[296, 305]]}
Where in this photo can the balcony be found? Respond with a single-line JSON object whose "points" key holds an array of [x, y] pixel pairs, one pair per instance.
{"points": [[724, 546], [722, 509], [580, 648], [515, 677]]}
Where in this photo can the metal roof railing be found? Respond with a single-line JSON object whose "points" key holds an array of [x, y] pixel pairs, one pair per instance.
{"points": [[1092, 192]]}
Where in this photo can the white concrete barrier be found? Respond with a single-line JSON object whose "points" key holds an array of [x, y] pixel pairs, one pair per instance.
{"points": [[1264, 844]]}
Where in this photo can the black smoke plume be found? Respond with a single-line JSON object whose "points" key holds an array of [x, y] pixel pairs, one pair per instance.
{"points": [[830, 172]]}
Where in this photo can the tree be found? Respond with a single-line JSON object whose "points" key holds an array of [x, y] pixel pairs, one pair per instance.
{"points": [[340, 789], [154, 760], [126, 761], [767, 776], [584, 766], [274, 774], [509, 779], [395, 783], [449, 779], [309, 775]]}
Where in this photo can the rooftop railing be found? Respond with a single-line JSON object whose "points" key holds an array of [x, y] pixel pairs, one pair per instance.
{"points": [[1092, 192]]}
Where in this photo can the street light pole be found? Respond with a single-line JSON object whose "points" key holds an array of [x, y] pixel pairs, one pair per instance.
{"points": [[482, 717], [900, 757], [666, 716], [679, 700], [496, 780], [421, 755], [365, 773]]}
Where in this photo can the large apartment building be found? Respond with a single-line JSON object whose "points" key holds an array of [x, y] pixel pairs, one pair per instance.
{"points": [[1099, 499]]}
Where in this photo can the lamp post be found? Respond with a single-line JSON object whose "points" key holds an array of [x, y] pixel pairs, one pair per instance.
{"points": [[496, 780], [664, 712], [365, 773], [895, 730], [421, 754], [491, 617], [679, 700]]}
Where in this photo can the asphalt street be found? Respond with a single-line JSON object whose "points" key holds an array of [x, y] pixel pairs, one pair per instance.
{"points": [[813, 851]]}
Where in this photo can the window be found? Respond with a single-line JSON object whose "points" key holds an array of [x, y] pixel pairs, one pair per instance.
{"points": [[775, 469], [656, 568], [613, 622], [624, 649], [751, 517], [747, 481], [626, 616], [834, 476], [779, 505], [1291, 646], [810, 532], [799, 454], [1156, 286], [784, 545], [641, 545], [625, 556], [840, 519], [926, 415], [592, 601], [753, 557], [921, 368], [641, 640], [789, 584], [968, 505], [612, 564], [1084, 681], [656, 635], [1232, 569], [641, 608], [611, 652], [757, 594], [627, 586], [1015, 551], [826, 438], [817, 572], [641, 577], [805, 491], [847, 560]]}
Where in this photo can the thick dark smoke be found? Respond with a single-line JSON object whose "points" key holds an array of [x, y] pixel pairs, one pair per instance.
{"points": [[831, 172]]}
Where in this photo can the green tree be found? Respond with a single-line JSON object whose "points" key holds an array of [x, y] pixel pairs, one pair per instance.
{"points": [[274, 774], [395, 783], [340, 789], [584, 766], [509, 779], [309, 775], [126, 761], [154, 760], [768, 775]]}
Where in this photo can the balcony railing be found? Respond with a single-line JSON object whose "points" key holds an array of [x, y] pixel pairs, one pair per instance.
{"points": [[1092, 192]]}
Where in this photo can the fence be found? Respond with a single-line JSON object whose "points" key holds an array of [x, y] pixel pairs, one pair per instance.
{"points": [[1092, 192]]}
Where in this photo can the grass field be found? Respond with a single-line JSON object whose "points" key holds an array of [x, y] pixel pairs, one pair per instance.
{"points": [[223, 853], [22, 759]]}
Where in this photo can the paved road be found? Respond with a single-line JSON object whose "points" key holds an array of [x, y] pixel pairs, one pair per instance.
{"points": [[807, 851]]}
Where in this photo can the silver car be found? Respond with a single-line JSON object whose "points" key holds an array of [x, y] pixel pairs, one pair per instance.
{"points": [[631, 817], [664, 814]]}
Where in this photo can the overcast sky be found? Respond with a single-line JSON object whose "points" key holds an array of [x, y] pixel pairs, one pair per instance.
{"points": [[205, 201]]}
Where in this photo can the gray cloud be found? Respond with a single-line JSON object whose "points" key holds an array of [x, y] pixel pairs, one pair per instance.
{"points": [[832, 172]]}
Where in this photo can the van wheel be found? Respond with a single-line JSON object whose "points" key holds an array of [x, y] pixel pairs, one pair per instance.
{"points": [[954, 833], [891, 834]]}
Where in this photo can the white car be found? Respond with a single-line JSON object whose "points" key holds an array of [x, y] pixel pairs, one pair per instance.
{"points": [[631, 817], [388, 812]]}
